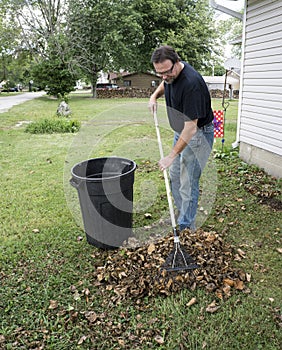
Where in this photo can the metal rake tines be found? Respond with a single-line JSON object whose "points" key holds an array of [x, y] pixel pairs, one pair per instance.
{"points": [[179, 260]]}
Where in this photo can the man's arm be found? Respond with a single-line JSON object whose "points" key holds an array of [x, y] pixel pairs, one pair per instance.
{"points": [[155, 95], [189, 130]]}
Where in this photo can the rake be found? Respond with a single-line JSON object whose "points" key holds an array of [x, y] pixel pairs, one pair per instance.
{"points": [[178, 260]]}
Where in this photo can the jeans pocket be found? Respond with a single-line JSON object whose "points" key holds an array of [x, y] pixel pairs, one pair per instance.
{"points": [[196, 140], [209, 128]]}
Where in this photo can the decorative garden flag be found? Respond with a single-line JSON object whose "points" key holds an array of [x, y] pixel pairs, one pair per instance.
{"points": [[218, 122]]}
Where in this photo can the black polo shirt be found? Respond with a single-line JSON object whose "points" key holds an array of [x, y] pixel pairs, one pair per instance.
{"points": [[188, 98]]}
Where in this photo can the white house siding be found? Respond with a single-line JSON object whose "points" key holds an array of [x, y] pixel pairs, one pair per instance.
{"points": [[260, 129]]}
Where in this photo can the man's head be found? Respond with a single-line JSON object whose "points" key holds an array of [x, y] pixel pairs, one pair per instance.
{"points": [[166, 63]]}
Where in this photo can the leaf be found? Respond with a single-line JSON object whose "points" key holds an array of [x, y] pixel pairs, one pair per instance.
{"points": [[229, 282], [100, 277], [53, 305], [121, 342], [191, 302], [219, 294], [151, 248], [212, 308], [121, 274], [211, 237], [210, 287], [76, 295], [159, 339], [239, 285], [169, 283], [91, 316], [279, 250], [237, 257], [227, 289], [241, 253], [86, 291], [82, 339], [2, 338]]}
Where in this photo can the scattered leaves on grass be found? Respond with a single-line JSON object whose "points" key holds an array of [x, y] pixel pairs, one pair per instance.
{"points": [[137, 272], [265, 188], [277, 312]]}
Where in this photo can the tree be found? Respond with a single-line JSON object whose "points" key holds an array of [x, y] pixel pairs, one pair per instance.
{"points": [[40, 21], [122, 34], [43, 26], [231, 30], [54, 73], [9, 46], [88, 36], [104, 36], [187, 25], [158, 20], [196, 35]]}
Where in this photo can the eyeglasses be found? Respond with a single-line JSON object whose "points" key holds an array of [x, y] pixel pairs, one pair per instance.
{"points": [[167, 71]]}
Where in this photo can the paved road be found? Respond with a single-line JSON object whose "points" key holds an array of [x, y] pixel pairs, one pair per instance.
{"points": [[7, 102]]}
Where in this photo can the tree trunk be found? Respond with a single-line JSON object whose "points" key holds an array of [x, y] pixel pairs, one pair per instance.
{"points": [[94, 79], [93, 90]]}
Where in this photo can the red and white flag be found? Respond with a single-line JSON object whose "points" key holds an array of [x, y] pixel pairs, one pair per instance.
{"points": [[218, 122]]}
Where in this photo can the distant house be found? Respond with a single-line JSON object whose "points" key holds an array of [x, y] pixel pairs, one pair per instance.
{"points": [[259, 127], [218, 82], [135, 80]]}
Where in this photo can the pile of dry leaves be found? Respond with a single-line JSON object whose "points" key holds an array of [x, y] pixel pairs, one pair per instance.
{"points": [[135, 273]]}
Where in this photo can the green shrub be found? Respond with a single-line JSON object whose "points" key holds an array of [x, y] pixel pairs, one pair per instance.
{"points": [[51, 126]]}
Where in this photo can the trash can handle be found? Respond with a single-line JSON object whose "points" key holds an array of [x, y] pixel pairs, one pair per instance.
{"points": [[74, 183]]}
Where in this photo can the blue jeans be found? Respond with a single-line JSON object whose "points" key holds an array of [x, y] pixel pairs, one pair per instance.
{"points": [[185, 173]]}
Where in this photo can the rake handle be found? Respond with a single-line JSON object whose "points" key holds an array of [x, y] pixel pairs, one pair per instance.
{"points": [[167, 185]]}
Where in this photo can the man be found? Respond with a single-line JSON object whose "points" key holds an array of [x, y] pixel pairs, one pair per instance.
{"points": [[190, 116]]}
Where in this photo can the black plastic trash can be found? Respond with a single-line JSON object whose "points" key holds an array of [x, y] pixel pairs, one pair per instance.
{"points": [[105, 191]]}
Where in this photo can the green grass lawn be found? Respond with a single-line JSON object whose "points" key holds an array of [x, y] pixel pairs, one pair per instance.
{"points": [[49, 297]]}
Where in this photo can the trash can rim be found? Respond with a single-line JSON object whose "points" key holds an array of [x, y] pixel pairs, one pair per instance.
{"points": [[93, 179]]}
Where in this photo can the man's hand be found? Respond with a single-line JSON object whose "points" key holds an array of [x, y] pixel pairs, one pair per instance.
{"points": [[152, 105], [153, 99], [166, 162]]}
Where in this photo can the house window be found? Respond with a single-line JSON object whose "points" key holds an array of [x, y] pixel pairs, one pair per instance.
{"points": [[127, 83]]}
